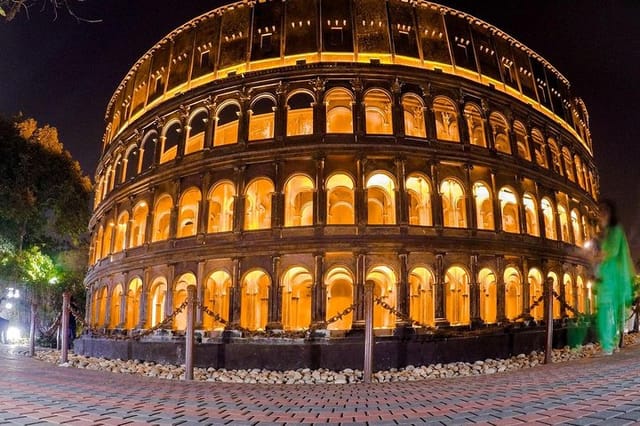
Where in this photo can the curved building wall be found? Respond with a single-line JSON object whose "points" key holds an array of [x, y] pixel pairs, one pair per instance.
{"points": [[245, 156]]}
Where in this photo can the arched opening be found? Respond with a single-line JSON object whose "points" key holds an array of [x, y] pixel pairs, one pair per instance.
{"points": [[262, 119], [170, 139], [257, 204], [385, 289], [179, 297], [131, 164], [531, 214], [97, 252], [339, 111], [381, 207], [300, 114], [513, 293], [162, 218], [339, 282], [108, 237], [216, 299], [500, 131], [475, 125], [419, 199], [296, 298], [564, 224], [454, 212], [456, 284], [340, 200], [556, 161], [147, 150], [576, 227], [568, 164], [377, 108], [556, 290], [116, 306], [549, 219], [488, 296], [539, 148], [484, 206], [100, 307], [536, 291], [134, 295], [580, 295], [196, 132], [509, 209], [298, 201], [121, 232], [568, 293], [221, 205], [413, 111], [579, 172], [446, 117], [158, 295], [188, 213], [421, 306], [139, 224], [226, 126], [254, 307]]}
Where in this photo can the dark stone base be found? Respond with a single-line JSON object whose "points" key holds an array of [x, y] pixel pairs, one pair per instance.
{"points": [[332, 353]]}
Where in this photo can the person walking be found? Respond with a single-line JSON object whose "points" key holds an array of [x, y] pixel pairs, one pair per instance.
{"points": [[614, 279]]}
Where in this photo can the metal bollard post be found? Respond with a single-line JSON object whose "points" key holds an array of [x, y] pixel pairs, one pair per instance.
{"points": [[188, 351], [66, 300], [368, 331], [548, 317]]}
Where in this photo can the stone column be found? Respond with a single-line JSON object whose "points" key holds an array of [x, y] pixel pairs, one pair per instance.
{"points": [[320, 194], [402, 214], [358, 317], [429, 118], [275, 297], [397, 113], [500, 290], [238, 202], [359, 118], [436, 197], [235, 295], [319, 108], [439, 293], [319, 293], [402, 301], [201, 281], [497, 208], [474, 296]]}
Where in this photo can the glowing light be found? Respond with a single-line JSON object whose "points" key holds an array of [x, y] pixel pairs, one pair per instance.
{"points": [[13, 334], [8, 305]]}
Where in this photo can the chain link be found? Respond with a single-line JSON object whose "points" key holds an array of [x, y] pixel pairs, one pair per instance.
{"points": [[401, 315], [564, 304], [531, 308], [52, 328]]}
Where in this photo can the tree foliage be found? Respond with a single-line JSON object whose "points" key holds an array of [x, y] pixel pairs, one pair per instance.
{"points": [[9, 9]]}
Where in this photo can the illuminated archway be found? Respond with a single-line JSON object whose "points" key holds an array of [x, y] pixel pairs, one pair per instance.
{"points": [[196, 131], [568, 294], [377, 107], [564, 223], [296, 298], [221, 202], [157, 298], [576, 227], [381, 207], [108, 237], [457, 295], [540, 151], [216, 299], [339, 282], [100, 307], [384, 288], [188, 213], [581, 295], [446, 117], [500, 131], [475, 125], [556, 289], [134, 295], [521, 140], [340, 200], [298, 201], [413, 111], [549, 219], [262, 118], [419, 199], [162, 218], [421, 297], [116, 306], [536, 291], [257, 204], [488, 296], [454, 212], [170, 139], [531, 214], [339, 111], [179, 297], [509, 209], [484, 206], [139, 224], [226, 126], [119, 243], [254, 309], [513, 293], [300, 114]]}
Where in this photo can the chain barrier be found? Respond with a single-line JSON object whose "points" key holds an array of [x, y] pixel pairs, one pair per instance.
{"points": [[565, 305], [531, 308], [52, 328], [379, 301]]}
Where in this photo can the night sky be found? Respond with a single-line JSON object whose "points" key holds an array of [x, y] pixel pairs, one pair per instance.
{"points": [[63, 72]]}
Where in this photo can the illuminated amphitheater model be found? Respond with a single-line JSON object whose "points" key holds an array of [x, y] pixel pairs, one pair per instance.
{"points": [[278, 155]]}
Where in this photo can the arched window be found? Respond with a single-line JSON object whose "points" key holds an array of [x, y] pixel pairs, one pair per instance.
{"points": [[339, 111], [568, 293], [108, 238], [139, 224], [555, 156], [456, 285], [475, 124], [118, 170], [262, 119], [296, 298], [116, 306], [454, 212], [300, 114], [254, 309], [377, 108], [131, 163], [446, 117], [257, 204], [564, 224], [162, 218], [196, 131], [188, 213], [381, 206], [221, 205], [100, 308], [298, 201], [120, 242], [179, 297], [97, 251], [488, 296], [413, 110], [216, 298], [556, 289], [509, 209], [521, 140], [157, 297], [531, 214], [134, 295], [539, 148], [513, 293], [500, 131], [340, 200], [147, 150], [535, 294], [586, 231], [169, 141], [576, 227], [419, 199], [384, 288], [484, 206], [339, 282], [568, 164], [581, 294], [549, 219], [579, 170], [227, 119], [421, 297]]}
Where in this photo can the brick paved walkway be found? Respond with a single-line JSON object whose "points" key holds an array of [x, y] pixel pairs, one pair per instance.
{"points": [[602, 390]]}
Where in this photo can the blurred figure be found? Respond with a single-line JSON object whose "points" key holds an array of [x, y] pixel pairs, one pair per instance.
{"points": [[614, 279]]}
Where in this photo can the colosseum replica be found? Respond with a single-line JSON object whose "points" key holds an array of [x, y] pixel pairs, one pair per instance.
{"points": [[278, 155]]}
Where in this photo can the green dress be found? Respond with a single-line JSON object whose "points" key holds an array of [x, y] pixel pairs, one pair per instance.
{"points": [[615, 275]]}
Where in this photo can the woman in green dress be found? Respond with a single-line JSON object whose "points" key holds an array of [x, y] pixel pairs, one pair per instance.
{"points": [[615, 277]]}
